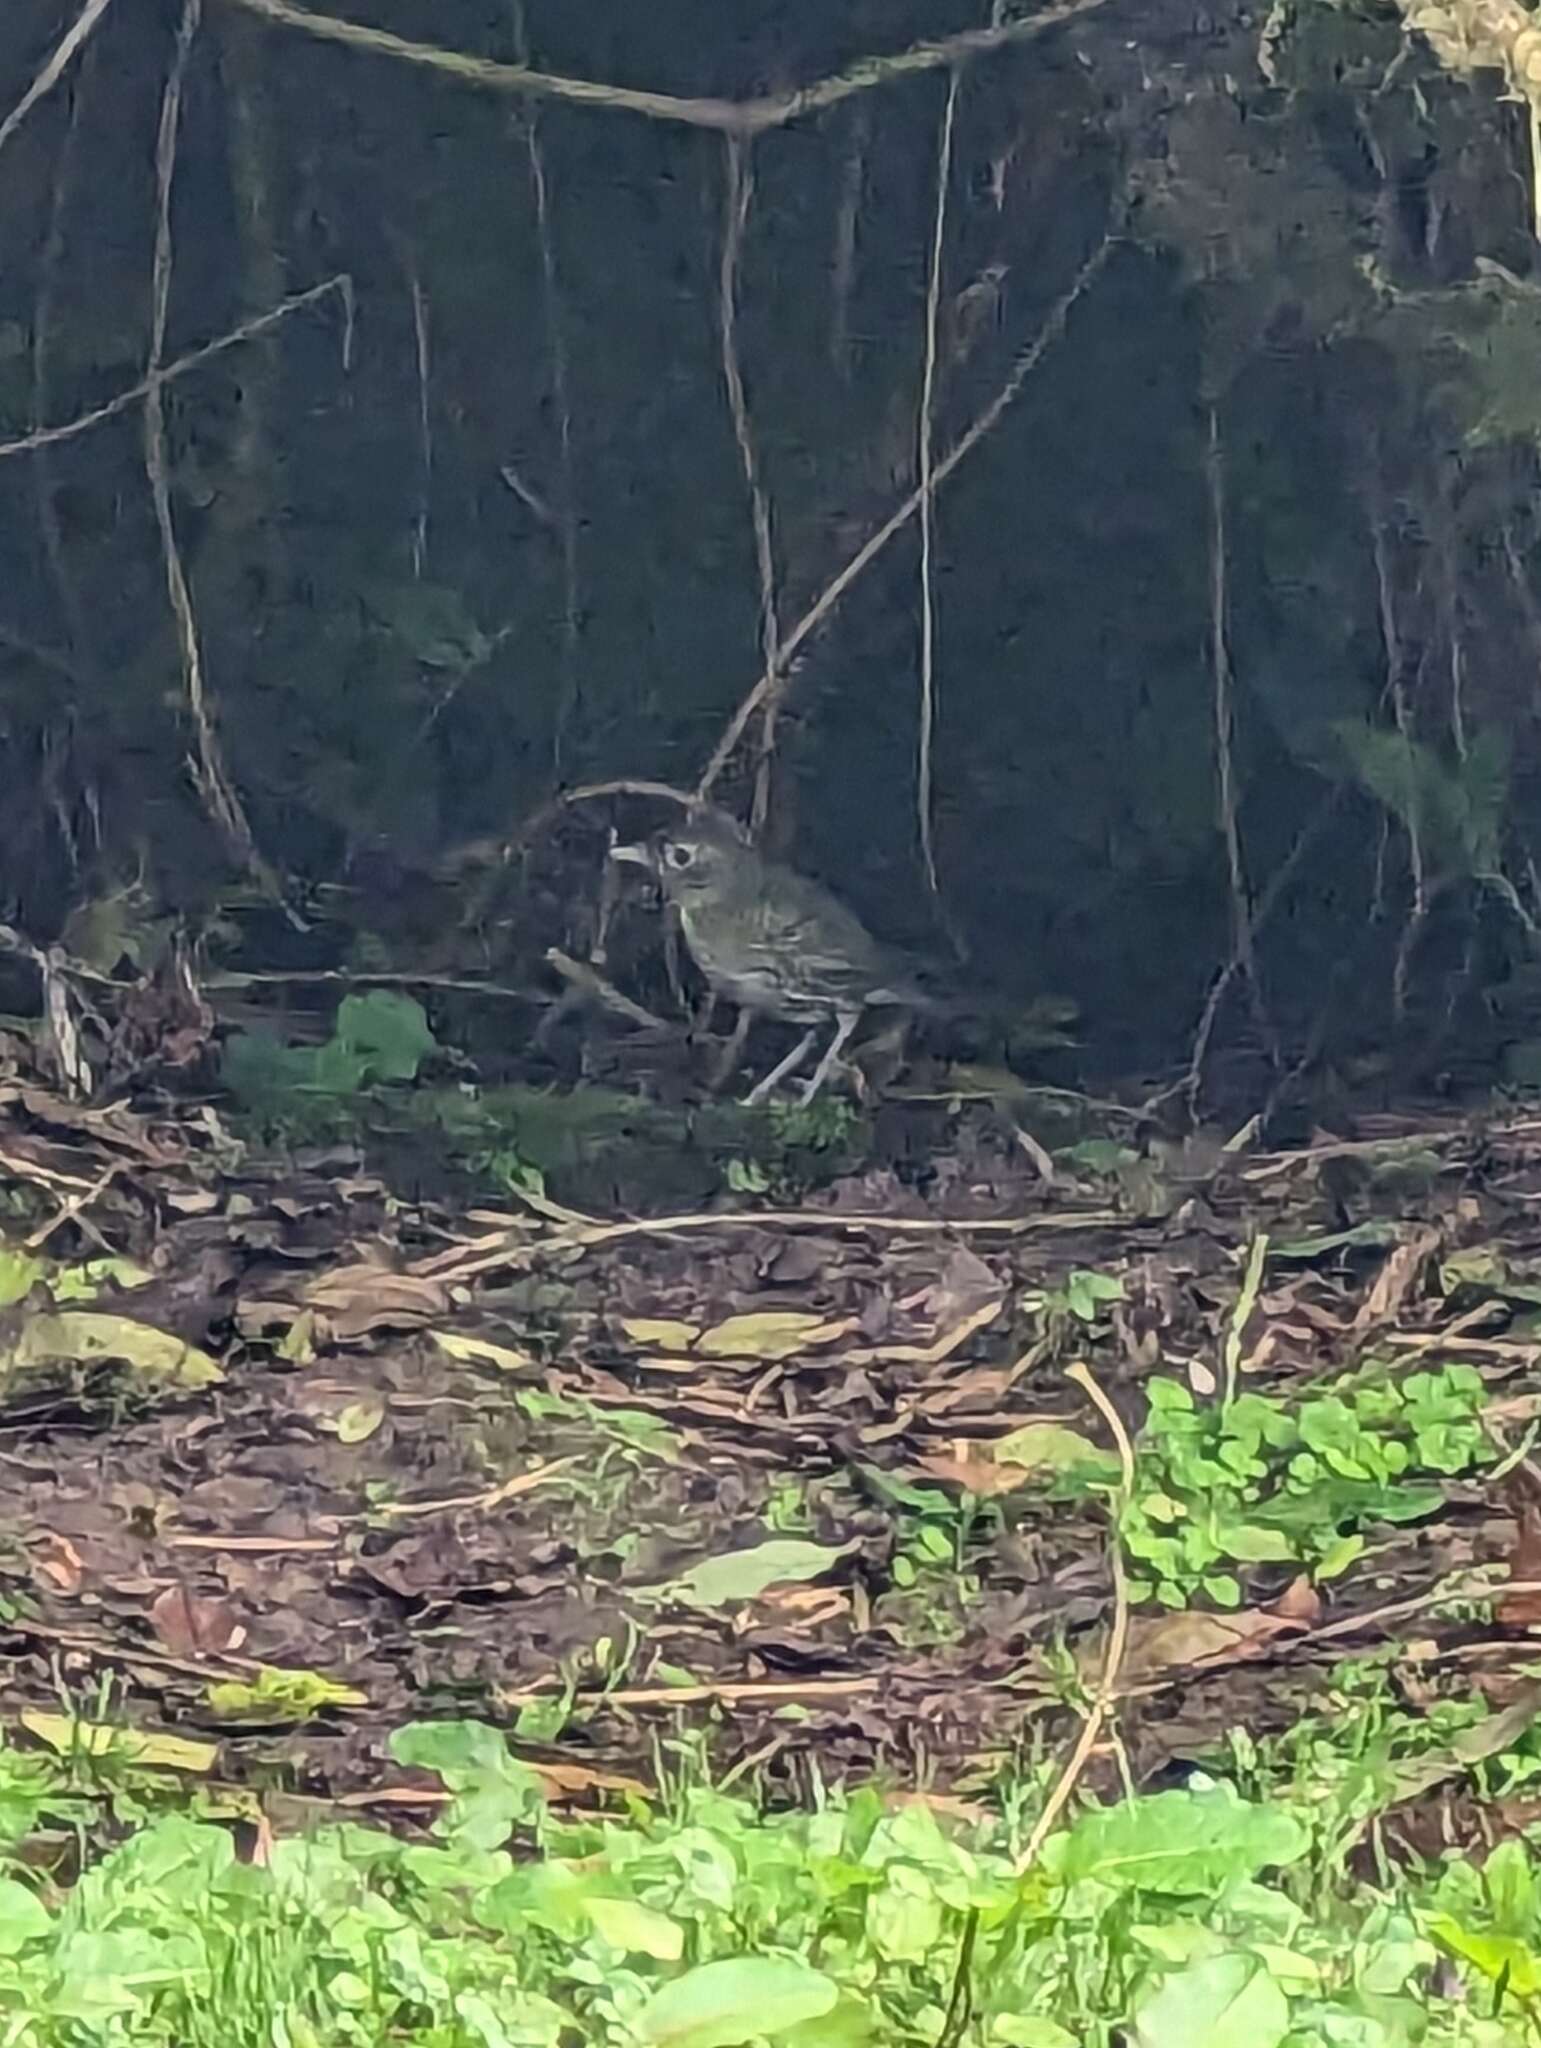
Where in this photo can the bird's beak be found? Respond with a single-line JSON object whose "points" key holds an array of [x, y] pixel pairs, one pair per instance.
{"points": [[636, 856]]}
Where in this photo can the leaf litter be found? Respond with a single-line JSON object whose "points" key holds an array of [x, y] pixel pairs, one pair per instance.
{"points": [[297, 1461]]}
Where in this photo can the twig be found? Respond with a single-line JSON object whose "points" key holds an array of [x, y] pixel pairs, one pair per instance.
{"points": [[925, 435], [42, 325], [738, 191], [1396, 690], [209, 773], [1118, 1633], [156, 379], [484, 1255], [422, 361], [1220, 666], [74, 1207], [55, 68], [1262, 911], [556, 346], [867, 554], [484, 1502], [734, 117], [843, 266], [592, 983]]}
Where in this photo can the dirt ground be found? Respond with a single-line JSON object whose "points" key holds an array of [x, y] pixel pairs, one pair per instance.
{"points": [[726, 1476]]}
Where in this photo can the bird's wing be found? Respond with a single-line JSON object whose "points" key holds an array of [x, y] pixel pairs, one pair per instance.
{"points": [[815, 943]]}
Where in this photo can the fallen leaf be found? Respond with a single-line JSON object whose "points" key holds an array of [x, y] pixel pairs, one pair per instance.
{"points": [[297, 1346], [1398, 1275], [191, 1626], [70, 1737], [86, 1337], [479, 1351], [981, 1476], [1193, 1638], [359, 1420], [355, 1300], [1047, 1447], [56, 1562], [660, 1333], [742, 1575], [772, 1333]]}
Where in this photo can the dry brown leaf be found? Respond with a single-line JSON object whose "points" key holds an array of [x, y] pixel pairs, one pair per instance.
{"points": [[191, 1626], [933, 1353], [354, 1300], [1523, 1610], [1195, 1640], [1398, 1276], [982, 1476]]}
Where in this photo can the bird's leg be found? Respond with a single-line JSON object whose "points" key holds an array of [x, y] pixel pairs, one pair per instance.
{"points": [[793, 1060], [731, 1052], [845, 1023]]}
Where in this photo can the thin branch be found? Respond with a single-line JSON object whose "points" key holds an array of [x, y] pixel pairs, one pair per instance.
{"points": [[214, 785], [843, 265], [738, 192], [734, 117], [1396, 690], [422, 359], [925, 436], [1101, 1704], [1264, 908], [867, 554], [55, 67], [42, 327], [1224, 714], [567, 485], [156, 378]]}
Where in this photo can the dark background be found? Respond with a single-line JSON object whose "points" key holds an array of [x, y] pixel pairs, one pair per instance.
{"points": [[404, 654]]}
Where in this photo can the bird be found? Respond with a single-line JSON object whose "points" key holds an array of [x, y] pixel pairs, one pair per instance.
{"points": [[772, 940]]}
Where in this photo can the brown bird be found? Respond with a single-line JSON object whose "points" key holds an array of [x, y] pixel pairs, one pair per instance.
{"points": [[772, 941]]}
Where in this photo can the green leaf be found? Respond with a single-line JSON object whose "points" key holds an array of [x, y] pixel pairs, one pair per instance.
{"points": [[1193, 1841], [637, 1929], [1494, 1955], [23, 1917], [1049, 1448], [722, 2004], [19, 1274], [386, 1031], [1225, 2001], [1251, 1543], [741, 1575]]}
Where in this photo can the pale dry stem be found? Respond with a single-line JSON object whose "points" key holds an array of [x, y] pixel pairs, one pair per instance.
{"points": [[738, 189], [898, 520], [55, 67], [733, 117], [925, 436], [209, 772]]}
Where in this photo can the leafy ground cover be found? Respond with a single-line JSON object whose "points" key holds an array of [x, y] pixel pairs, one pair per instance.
{"points": [[1199, 1915], [953, 1605]]}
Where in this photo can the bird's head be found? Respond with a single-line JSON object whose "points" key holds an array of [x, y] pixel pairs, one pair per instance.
{"points": [[703, 856]]}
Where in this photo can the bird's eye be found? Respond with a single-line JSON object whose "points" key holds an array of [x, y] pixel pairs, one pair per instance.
{"points": [[679, 856]]}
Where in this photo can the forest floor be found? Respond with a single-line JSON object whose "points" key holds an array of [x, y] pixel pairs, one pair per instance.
{"points": [[1066, 1599]]}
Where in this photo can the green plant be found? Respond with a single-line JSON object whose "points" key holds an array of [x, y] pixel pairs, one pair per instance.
{"points": [[1253, 1481], [307, 1090], [795, 1145]]}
